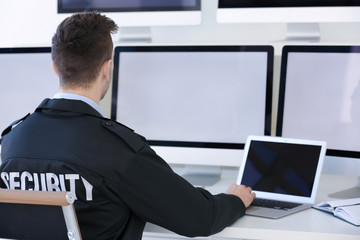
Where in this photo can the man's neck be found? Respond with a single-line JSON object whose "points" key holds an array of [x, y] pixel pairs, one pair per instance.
{"points": [[86, 93]]}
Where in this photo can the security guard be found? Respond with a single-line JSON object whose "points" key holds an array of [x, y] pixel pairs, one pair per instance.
{"points": [[119, 182]]}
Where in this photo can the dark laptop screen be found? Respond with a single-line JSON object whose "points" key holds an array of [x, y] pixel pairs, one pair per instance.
{"points": [[285, 168]]}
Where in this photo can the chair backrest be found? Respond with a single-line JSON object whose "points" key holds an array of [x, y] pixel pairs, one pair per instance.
{"points": [[38, 215]]}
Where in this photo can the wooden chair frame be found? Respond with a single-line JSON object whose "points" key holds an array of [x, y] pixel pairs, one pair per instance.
{"points": [[64, 200]]}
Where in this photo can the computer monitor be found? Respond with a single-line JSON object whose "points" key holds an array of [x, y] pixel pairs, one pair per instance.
{"points": [[319, 98], [302, 16], [26, 79], [139, 13], [195, 104]]}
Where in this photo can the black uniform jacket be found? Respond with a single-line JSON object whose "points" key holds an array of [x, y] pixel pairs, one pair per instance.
{"points": [[119, 181]]}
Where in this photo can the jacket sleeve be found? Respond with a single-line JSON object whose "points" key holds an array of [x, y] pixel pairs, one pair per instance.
{"points": [[157, 195]]}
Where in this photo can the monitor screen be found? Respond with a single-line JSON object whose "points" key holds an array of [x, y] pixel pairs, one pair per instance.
{"points": [[70, 6], [27, 79], [320, 96], [285, 3], [140, 12], [297, 11], [194, 96]]}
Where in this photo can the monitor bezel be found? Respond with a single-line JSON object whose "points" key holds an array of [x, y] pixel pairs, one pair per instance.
{"points": [[306, 15], [285, 3], [62, 9], [282, 85], [269, 87], [25, 50]]}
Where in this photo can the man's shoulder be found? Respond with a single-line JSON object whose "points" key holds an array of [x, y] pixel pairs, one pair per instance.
{"points": [[12, 125], [133, 140]]}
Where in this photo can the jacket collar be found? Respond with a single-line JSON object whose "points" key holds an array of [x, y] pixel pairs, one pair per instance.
{"points": [[67, 105]]}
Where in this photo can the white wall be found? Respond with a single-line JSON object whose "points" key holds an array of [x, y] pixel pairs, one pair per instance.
{"points": [[27, 23]]}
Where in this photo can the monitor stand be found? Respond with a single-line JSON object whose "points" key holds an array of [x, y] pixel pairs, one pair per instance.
{"points": [[202, 176], [309, 32], [344, 166], [353, 192], [135, 35]]}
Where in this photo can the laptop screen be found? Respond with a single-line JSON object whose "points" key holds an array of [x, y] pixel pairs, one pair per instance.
{"points": [[282, 167]]}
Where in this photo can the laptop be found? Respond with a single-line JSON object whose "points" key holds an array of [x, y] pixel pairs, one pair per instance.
{"points": [[283, 172]]}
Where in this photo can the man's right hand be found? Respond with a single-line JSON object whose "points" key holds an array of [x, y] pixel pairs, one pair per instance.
{"points": [[241, 191]]}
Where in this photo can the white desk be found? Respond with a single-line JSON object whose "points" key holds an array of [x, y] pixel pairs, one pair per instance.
{"points": [[308, 224]]}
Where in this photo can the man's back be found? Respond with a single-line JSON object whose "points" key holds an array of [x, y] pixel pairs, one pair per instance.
{"points": [[56, 150], [119, 182]]}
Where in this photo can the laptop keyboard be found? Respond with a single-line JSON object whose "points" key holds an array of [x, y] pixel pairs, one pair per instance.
{"points": [[274, 204]]}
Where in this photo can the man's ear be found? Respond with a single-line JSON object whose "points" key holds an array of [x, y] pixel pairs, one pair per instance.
{"points": [[106, 69], [54, 69]]}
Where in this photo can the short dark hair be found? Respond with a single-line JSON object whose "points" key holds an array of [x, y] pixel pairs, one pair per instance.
{"points": [[81, 44]]}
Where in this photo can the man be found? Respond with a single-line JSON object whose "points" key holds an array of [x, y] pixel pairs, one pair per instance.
{"points": [[119, 181]]}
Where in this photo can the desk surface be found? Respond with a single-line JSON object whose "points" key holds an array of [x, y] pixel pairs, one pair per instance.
{"points": [[307, 224]]}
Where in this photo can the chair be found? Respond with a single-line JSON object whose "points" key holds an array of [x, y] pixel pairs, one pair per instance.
{"points": [[38, 215]]}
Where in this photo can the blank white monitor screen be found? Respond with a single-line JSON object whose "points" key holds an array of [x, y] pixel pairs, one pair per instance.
{"points": [[320, 96], [26, 79], [196, 96]]}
